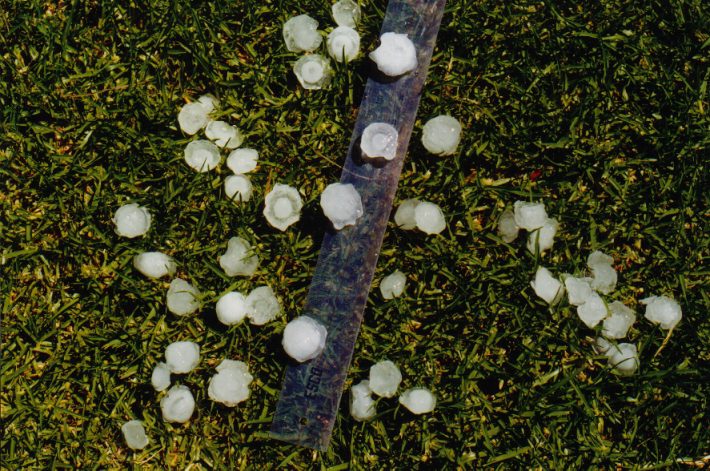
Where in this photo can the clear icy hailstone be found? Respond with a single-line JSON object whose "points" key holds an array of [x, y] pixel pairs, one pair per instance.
{"points": [[604, 276], [441, 135], [541, 240], [418, 400], [313, 71], [392, 285], [379, 140], [224, 134], [134, 433], [547, 287], [230, 385], [304, 338], [262, 305], [592, 311], [282, 206], [507, 228], [662, 310], [341, 204], [131, 220], [177, 405], [238, 188], [362, 406], [202, 155], [346, 13], [429, 218], [396, 55], [239, 259], [404, 217], [624, 358], [182, 357], [301, 34], [194, 116], [578, 290], [343, 44], [160, 379], [154, 264], [529, 216], [182, 297], [385, 378], [232, 308], [242, 161], [619, 322]]}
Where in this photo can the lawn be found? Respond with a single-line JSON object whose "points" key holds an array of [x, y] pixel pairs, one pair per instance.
{"points": [[598, 109]]}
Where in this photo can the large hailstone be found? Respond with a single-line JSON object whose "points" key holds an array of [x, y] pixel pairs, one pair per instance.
{"points": [[301, 34], [239, 259], [232, 308], [662, 310], [341, 204], [262, 305], [362, 406], [441, 135], [379, 140], [385, 378], [404, 216], [507, 228], [154, 264], [160, 378], [604, 276], [202, 155], [396, 55], [418, 400], [619, 322], [304, 338], [224, 134], [238, 188], [194, 116], [529, 216], [230, 385], [182, 357], [541, 240], [131, 220], [243, 160], [313, 71], [177, 405], [624, 358], [134, 433], [429, 218], [578, 290], [343, 44], [182, 298], [593, 311], [346, 13], [547, 287], [392, 285], [282, 206]]}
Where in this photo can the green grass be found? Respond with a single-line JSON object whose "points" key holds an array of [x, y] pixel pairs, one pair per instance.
{"points": [[608, 103]]}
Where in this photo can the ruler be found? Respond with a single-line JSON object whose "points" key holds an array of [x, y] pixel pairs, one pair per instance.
{"points": [[310, 397]]}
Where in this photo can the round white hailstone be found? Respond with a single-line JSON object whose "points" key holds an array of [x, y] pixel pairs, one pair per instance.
{"points": [[384, 378], [593, 311], [380, 140], [604, 278], [239, 259], [392, 285], [396, 55], [541, 240], [232, 308], [547, 287], [662, 310], [304, 338], [242, 161], [343, 44], [429, 218], [418, 400], [230, 385], [193, 117], [602, 346], [182, 298], [154, 264], [362, 406], [238, 188], [209, 101], [441, 135], [619, 322], [578, 289], [599, 258], [224, 134], [624, 358], [507, 228], [346, 13], [282, 206], [182, 357], [202, 155], [134, 433], [177, 405], [262, 305], [529, 216], [404, 217], [131, 220], [313, 71], [160, 379], [341, 204], [301, 34]]}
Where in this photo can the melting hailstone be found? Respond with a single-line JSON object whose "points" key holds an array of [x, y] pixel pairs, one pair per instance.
{"points": [[304, 338], [154, 264], [182, 357], [592, 311], [238, 188], [624, 358], [232, 308], [282, 206], [547, 287], [362, 406], [134, 433], [379, 140], [619, 322], [507, 228], [224, 134], [441, 135], [202, 155], [404, 217], [313, 71], [385, 378], [578, 290], [396, 55], [601, 345], [341, 204], [182, 298], [541, 240], [343, 44], [262, 305], [230, 385], [239, 259], [429, 218], [392, 285], [131, 220], [418, 400], [301, 34], [529, 216], [242, 161], [177, 405], [662, 310], [209, 101], [346, 13], [160, 379], [604, 276], [194, 116]]}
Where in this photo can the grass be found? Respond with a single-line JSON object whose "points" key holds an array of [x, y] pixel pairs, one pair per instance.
{"points": [[600, 110]]}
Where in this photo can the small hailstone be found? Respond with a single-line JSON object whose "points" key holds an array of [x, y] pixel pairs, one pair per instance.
{"points": [[262, 305], [379, 140], [160, 379], [224, 134], [202, 155], [243, 160], [131, 220], [418, 400], [282, 206], [304, 338], [404, 217], [134, 433], [604, 276], [529, 216], [392, 285], [602, 346], [182, 357], [341, 204], [194, 116], [384, 378], [209, 101], [578, 290], [238, 188], [547, 287], [507, 228], [301, 34], [619, 322], [396, 55], [313, 71], [593, 311], [154, 264], [239, 259], [541, 240], [429, 218], [624, 358], [232, 308], [599, 258], [230, 385], [177, 405], [346, 13], [182, 298], [362, 406], [662, 310], [441, 135], [343, 44]]}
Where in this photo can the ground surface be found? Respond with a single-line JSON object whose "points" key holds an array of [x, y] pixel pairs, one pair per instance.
{"points": [[599, 111]]}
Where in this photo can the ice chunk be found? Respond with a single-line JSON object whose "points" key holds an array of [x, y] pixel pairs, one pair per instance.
{"points": [[232, 308], [224, 134], [418, 400], [593, 310], [343, 44], [542, 239], [599, 258], [602, 346], [578, 289], [182, 298], [209, 101], [202, 155], [529, 216], [282, 206], [230, 385], [384, 378], [346, 13], [182, 357], [396, 55], [392, 285], [262, 305], [177, 405], [313, 71], [131, 220], [154, 264], [242, 161], [160, 379], [379, 140], [547, 287], [301, 34], [194, 116], [239, 259], [441, 135], [619, 322], [238, 188], [404, 217], [624, 358], [429, 218], [134, 433], [603, 278], [341, 204], [304, 338], [507, 228], [362, 406], [662, 310]]}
